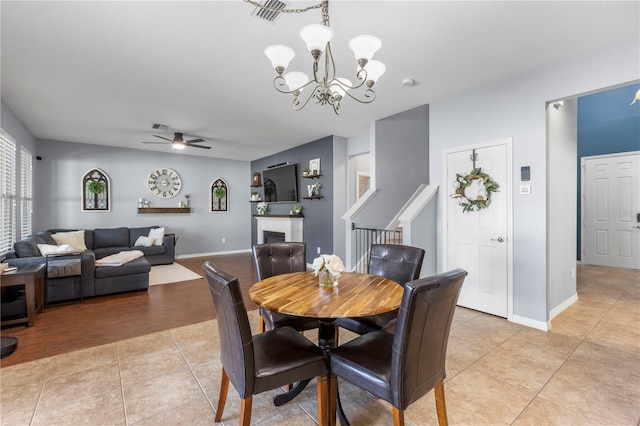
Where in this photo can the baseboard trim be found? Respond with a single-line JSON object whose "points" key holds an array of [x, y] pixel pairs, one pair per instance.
{"points": [[213, 253], [540, 325], [562, 306]]}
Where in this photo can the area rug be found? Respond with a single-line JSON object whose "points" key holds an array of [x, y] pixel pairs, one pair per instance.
{"points": [[166, 274]]}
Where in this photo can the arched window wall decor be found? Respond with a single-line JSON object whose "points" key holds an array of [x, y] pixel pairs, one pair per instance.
{"points": [[96, 191]]}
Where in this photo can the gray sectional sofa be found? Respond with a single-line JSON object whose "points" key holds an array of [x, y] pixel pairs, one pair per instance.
{"points": [[67, 275]]}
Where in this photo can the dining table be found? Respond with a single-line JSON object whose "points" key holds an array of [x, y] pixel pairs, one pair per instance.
{"points": [[300, 294]]}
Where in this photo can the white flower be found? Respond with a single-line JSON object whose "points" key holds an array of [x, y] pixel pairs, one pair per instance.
{"points": [[328, 262], [261, 207]]}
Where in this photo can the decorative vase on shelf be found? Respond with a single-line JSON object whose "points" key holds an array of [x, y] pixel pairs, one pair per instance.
{"points": [[327, 279]]}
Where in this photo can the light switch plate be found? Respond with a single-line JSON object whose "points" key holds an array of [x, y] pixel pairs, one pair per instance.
{"points": [[525, 189]]}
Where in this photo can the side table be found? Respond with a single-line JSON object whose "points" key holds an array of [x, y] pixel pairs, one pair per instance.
{"points": [[32, 277]]}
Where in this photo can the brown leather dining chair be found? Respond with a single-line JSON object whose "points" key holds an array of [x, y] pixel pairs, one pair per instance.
{"points": [[266, 361], [275, 259], [401, 368], [398, 263]]}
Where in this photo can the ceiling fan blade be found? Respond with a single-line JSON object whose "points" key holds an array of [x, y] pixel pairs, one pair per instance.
{"points": [[162, 137], [160, 143], [195, 140], [199, 146]]}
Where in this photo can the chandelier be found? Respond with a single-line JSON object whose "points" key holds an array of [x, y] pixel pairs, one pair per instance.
{"points": [[325, 88]]}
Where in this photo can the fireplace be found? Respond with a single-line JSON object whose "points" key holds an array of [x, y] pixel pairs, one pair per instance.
{"points": [[291, 227], [273, 237]]}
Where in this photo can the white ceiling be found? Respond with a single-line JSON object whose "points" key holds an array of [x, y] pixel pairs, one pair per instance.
{"points": [[105, 72]]}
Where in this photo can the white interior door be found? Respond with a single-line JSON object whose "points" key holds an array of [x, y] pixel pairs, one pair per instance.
{"points": [[479, 241], [611, 200]]}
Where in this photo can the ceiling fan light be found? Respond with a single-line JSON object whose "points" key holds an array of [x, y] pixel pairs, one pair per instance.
{"points": [[295, 80], [279, 55], [179, 145], [364, 46], [316, 36], [375, 69]]}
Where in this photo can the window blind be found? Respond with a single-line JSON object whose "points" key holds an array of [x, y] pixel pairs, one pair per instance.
{"points": [[7, 192], [26, 192]]}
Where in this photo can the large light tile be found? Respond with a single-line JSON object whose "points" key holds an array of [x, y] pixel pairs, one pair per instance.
{"points": [[18, 403], [584, 396], [27, 373], [151, 397], [545, 413], [486, 331], [85, 359], [103, 409], [547, 339], [195, 412], [81, 385], [484, 393], [145, 344], [462, 352], [153, 364], [524, 365]]}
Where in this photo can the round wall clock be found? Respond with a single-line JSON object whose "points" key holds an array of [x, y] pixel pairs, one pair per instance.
{"points": [[164, 183]]}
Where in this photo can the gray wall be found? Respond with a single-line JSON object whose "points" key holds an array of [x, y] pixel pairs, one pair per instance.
{"points": [[515, 107], [318, 214], [58, 190], [562, 127], [401, 156]]}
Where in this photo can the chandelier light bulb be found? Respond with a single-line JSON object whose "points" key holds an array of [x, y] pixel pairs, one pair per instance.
{"points": [[280, 56], [316, 36], [364, 47], [374, 69], [295, 80]]}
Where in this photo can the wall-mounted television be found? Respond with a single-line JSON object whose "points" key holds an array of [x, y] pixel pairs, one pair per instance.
{"points": [[280, 184]]}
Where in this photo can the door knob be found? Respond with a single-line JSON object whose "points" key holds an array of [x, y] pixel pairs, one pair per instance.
{"points": [[499, 239]]}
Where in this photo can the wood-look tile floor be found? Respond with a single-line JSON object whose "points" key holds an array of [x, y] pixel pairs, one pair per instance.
{"points": [[585, 371]]}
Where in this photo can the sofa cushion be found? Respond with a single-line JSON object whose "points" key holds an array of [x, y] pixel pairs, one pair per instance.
{"points": [[143, 241], [137, 266], [28, 247], [46, 249], [152, 250], [134, 233], [75, 239], [107, 251], [46, 236], [112, 237]]}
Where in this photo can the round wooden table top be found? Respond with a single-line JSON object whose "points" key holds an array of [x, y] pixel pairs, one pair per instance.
{"points": [[356, 295]]}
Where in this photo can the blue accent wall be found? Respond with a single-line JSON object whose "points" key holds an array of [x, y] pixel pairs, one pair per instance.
{"points": [[607, 124]]}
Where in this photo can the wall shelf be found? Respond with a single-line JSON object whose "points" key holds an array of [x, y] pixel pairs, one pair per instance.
{"points": [[313, 197], [164, 210], [311, 176]]}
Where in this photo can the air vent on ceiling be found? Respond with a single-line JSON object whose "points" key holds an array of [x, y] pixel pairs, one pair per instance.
{"points": [[272, 13], [162, 127]]}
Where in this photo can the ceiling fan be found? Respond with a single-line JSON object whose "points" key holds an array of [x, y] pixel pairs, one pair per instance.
{"points": [[178, 142]]}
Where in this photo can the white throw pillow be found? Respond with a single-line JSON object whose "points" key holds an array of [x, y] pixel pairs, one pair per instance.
{"points": [[75, 239], [143, 241], [158, 235], [46, 249]]}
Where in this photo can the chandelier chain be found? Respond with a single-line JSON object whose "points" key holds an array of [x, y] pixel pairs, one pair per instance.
{"points": [[275, 9]]}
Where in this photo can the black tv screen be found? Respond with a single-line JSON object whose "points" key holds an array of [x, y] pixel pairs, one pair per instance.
{"points": [[280, 184]]}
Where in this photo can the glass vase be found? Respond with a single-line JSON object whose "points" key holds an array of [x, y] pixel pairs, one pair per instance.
{"points": [[327, 280]]}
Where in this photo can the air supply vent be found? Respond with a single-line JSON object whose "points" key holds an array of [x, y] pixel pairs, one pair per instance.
{"points": [[162, 127], [271, 12]]}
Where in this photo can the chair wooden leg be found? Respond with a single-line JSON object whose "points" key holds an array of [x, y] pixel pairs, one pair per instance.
{"points": [[323, 395], [333, 399], [222, 397], [398, 417], [245, 411], [262, 325], [441, 407]]}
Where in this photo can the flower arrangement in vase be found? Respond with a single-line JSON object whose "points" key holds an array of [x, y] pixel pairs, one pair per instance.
{"points": [[262, 207], [327, 267]]}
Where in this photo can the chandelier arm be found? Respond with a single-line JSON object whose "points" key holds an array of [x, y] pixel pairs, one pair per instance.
{"points": [[296, 101], [329, 57], [369, 93], [275, 9], [279, 81]]}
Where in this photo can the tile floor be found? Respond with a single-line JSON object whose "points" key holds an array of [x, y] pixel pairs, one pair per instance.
{"points": [[585, 371]]}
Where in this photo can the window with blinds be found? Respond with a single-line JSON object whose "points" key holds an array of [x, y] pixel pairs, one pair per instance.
{"points": [[26, 192], [7, 192]]}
